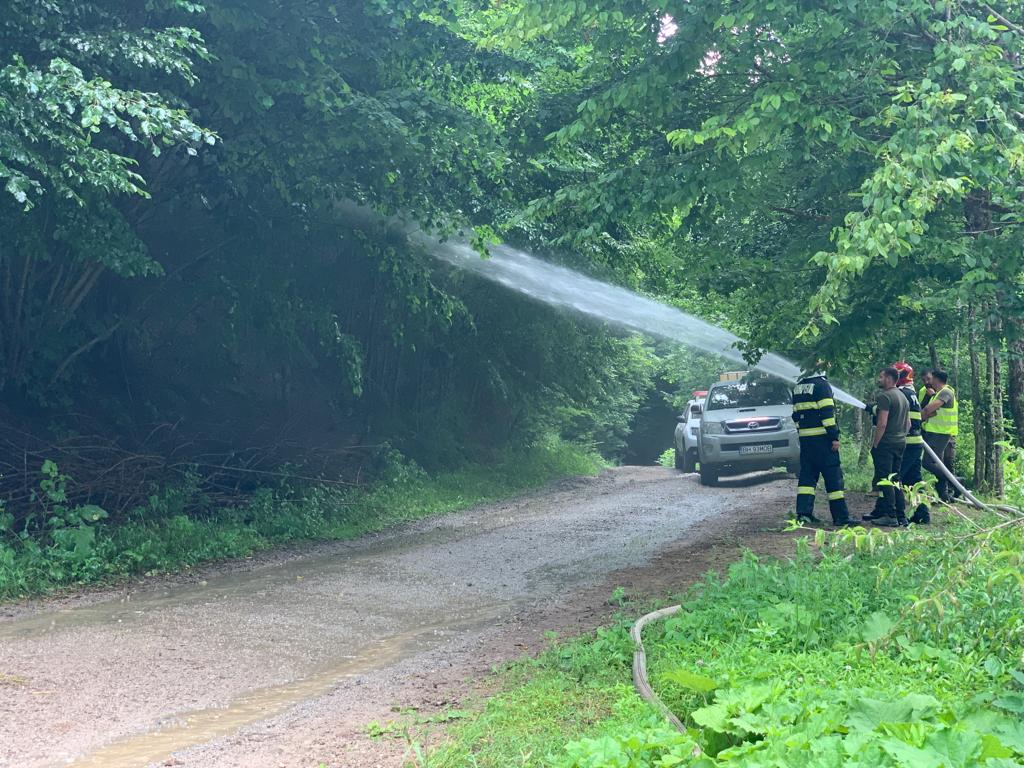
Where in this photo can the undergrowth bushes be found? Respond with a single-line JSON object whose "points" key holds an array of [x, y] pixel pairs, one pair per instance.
{"points": [[63, 545]]}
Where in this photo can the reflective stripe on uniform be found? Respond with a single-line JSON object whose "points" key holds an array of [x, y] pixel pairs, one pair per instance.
{"points": [[812, 431], [805, 490], [834, 495], [915, 439], [828, 422], [828, 402]]}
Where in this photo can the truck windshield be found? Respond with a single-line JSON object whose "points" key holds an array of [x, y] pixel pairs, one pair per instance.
{"points": [[748, 394]]}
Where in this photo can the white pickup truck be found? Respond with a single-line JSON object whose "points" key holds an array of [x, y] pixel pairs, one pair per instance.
{"points": [[687, 436], [746, 426]]}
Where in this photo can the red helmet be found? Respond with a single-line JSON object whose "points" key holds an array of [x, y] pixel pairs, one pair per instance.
{"points": [[906, 373]]}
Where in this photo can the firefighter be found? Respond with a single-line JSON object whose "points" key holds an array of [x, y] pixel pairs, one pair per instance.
{"points": [[892, 423], [940, 415], [910, 467], [815, 415]]}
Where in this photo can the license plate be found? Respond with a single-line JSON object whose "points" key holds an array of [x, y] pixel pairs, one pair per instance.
{"points": [[756, 449]]}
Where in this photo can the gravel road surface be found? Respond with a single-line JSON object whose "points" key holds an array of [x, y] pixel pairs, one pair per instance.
{"points": [[283, 659]]}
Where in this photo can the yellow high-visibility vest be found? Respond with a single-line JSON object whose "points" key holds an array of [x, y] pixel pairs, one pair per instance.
{"points": [[946, 420]]}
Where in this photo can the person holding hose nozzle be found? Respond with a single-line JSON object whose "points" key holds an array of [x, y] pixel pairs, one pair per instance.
{"points": [[910, 465], [940, 414], [814, 411], [892, 422]]}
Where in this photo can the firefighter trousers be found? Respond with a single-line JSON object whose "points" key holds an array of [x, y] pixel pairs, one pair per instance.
{"points": [[939, 443], [818, 459], [888, 461], [910, 472]]}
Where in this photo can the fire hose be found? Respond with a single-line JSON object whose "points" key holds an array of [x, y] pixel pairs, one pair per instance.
{"points": [[640, 680], [971, 498]]}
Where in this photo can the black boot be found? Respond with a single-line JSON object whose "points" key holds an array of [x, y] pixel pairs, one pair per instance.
{"points": [[921, 515]]}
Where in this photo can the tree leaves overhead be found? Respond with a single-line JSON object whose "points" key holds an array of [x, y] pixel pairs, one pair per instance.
{"points": [[877, 122], [71, 111]]}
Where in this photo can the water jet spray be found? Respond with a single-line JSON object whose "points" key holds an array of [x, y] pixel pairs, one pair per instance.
{"points": [[562, 287]]}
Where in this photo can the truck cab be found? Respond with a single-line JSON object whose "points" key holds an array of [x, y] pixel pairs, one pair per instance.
{"points": [[747, 425]]}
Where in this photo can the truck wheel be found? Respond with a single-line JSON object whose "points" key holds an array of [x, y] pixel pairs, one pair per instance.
{"points": [[680, 461], [708, 475], [690, 461]]}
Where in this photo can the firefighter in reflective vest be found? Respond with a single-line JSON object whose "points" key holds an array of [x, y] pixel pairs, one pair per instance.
{"points": [[815, 415], [940, 414], [910, 468]]}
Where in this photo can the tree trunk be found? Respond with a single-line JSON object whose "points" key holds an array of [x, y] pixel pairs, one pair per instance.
{"points": [[934, 355], [996, 431], [978, 217], [979, 410], [1015, 376], [954, 371], [865, 429], [858, 432]]}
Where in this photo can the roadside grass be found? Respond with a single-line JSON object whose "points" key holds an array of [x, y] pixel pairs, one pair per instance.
{"points": [[153, 540], [871, 649]]}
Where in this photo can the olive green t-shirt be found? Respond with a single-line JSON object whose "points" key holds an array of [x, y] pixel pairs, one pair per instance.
{"points": [[895, 402]]}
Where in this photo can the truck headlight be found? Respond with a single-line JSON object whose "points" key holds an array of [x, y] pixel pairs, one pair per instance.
{"points": [[786, 422], [712, 427]]}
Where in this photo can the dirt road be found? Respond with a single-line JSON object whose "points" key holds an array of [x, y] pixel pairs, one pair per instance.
{"points": [[283, 660]]}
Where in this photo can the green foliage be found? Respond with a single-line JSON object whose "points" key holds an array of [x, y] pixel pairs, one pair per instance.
{"points": [[73, 546], [1013, 474], [893, 650], [61, 110], [57, 542], [833, 168]]}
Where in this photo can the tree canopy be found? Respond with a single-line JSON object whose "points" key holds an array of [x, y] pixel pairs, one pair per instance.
{"points": [[834, 180]]}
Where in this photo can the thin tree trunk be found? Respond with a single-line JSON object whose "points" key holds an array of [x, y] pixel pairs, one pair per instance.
{"points": [[996, 421], [933, 354], [865, 421], [978, 412], [858, 431], [954, 372], [978, 217], [1015, 376], [999, 433], [994, 411]]}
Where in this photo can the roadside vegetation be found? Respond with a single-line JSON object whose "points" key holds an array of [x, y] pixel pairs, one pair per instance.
{"points": [[69, 545], [864, 648]]}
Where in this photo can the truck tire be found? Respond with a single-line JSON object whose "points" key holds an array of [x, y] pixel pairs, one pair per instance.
{"points": [[690, 461], [680, 461], [708, 475]]}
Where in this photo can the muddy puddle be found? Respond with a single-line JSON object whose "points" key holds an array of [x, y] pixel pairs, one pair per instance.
{"points": [[199, 727]]}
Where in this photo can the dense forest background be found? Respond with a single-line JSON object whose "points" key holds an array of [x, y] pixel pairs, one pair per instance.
{"points": [[183, 294]]}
